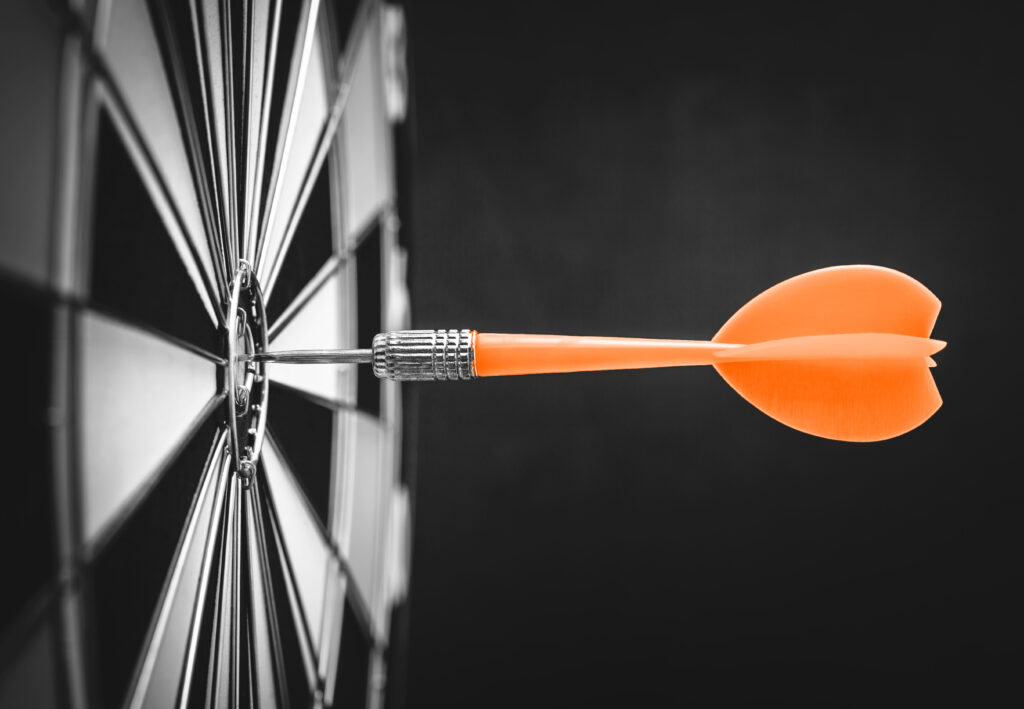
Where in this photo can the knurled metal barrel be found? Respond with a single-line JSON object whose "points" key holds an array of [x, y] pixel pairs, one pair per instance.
{"points": [[424, 355]]}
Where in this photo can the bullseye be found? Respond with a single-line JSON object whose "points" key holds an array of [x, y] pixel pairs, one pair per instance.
{"points": [[247, 388]]}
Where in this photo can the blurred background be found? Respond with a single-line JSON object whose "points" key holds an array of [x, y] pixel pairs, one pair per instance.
{"points": [[648, 538]]}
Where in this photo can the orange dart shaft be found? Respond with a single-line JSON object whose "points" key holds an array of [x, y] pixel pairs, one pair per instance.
{"points": [[499, 354]]}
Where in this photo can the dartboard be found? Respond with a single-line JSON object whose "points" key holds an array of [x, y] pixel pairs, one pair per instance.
{"points": [[185, 183]]}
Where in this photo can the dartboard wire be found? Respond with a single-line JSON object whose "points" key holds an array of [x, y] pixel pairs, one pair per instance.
{"points": [[353, 592], [98, 33], [82, 307], [293, 100], [214, 73], [261, 608], [327, 137], [170, 43], [338, 263], [322, 401], [90, 549], [65, 261], [67, 498], [360, 603], [292, 604], [222, 687], [106, 96], [264, 88], [211, 163], [272, 261], [235, 126], [261, 535], [213, 541], [335, 264], [335, 583], [261, 50], [155, 634]]}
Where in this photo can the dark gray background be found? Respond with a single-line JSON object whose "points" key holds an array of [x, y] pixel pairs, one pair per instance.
{"points": [[640, 169]]}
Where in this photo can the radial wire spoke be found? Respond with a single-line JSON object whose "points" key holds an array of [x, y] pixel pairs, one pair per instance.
{"points": [[131, 52], [304, 118], [166, 660], [136, 268], [304, 540], [142, 549], [323, 321], [215, 68], [177, 32], [131, 381]]}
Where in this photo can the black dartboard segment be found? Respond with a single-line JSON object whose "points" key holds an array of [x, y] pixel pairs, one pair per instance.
{"points": [[136, 271], [305, 431], [368, 285], [343, 13], [32, 675], [311, 246], [26, 507], [353, 661], [125, 579]]}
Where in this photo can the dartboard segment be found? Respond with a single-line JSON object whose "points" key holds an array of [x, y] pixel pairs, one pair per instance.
{"points": [[168, 661], [367, 508], [29, 37], [128, 44], [369, 319], [365, 134], [140, 397], [120, 614], [294, 661], [34, 677], [141, 268], [308, 551], [312, 245], [26, 509], [301, 136], [353, 661], [304, 429], [322, 321]]}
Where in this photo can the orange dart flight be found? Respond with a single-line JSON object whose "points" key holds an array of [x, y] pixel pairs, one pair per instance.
{"points": [[842, 353]]}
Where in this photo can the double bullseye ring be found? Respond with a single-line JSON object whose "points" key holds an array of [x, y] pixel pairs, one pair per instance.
{"points": [[247, 384]]}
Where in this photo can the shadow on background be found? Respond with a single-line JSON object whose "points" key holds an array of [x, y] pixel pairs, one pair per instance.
{"points": [[646, 537]]}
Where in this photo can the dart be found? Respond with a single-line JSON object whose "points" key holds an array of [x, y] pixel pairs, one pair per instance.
{"points": [[843, 353]]}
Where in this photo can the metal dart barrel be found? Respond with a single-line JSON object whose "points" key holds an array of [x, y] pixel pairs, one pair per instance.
{"points": [[400, 355]]}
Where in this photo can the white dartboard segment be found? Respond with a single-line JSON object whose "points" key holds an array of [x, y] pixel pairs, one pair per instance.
{"points": [[366, 135], [305, 131], [308, 552], [370, 490], [323, 321], [139, 397]]}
